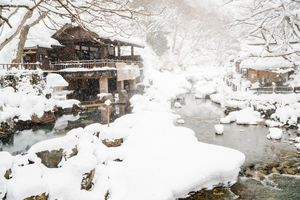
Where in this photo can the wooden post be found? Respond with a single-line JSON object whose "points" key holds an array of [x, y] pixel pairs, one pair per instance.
{"points": [[119, 52], [107, 107], [103, 84], [132, 53]]}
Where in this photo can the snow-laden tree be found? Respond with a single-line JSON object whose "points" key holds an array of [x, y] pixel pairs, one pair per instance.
{"points": [[193, 31], [111, 17], [272, 23]]}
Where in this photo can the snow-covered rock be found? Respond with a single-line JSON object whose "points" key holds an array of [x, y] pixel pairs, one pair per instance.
{"points": [[245, 116], [272, 124], [219, 129], [275, 133], [177, 105], [203, 91], [180, 121]]}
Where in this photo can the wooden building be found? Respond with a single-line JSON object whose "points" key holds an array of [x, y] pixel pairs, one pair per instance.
{"points": [[87, 61], [265, 70]]}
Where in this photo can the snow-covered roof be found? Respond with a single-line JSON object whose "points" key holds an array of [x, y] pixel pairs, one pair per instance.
{"points": [[108, 34], [266, 63], [130, 40], [39, 35]]}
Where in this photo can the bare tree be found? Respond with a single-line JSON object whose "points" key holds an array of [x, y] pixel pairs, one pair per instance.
{"points": [[276, 23], [109, 16]]}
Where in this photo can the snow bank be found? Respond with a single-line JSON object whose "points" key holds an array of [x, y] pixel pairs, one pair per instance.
{"points": [[145, 167]]}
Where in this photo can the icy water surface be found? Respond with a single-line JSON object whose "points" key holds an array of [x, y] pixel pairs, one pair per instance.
{"points": [[202, 115], [21, 141]]}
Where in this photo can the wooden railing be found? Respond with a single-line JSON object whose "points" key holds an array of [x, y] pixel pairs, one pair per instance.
{"points": [[89, 64], [9, 67], [277, 90]]}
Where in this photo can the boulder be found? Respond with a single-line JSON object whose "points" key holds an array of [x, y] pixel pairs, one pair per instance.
{"points": [[108, 96], [51, 159], [123, 96], [47, 117], [40, 197], [139, 88], [114, 143]]}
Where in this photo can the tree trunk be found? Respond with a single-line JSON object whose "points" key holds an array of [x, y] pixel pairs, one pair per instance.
{"points": [[23, 38], [26, 16]]}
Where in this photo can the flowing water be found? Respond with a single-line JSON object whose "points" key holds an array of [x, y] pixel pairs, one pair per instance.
{"points": [[201, 115]]}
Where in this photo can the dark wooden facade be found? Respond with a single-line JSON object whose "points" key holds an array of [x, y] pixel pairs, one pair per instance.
{"points": [[85, 49], [78, 44]]}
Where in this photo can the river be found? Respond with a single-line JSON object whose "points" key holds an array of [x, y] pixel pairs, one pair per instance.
{"points": [[21, 141], [201, 115]]}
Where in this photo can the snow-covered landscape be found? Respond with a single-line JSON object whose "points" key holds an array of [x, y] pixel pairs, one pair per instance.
{"points": [[173, 71]]}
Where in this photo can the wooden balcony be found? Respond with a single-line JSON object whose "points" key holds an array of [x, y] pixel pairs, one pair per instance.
{"points": [[90, 64], [56, 66], [20, 66]]}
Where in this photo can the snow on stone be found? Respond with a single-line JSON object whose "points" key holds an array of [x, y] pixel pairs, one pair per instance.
{"points": [[178, 116], [101, 95], [297, 139], [272, 124], [180, 121], [217, 98], [107, 102], [203, 91], [55, 80], [275, 133], [177, 105], [27, 181], [235, 104], [228, 119], [245, 116], [219, 129]]}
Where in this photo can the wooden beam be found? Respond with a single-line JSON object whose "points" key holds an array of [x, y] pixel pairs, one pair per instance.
{"points": [[132, 52]]}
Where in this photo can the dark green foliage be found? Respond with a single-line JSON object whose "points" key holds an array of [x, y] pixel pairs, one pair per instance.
{"points": [[158, 41]]}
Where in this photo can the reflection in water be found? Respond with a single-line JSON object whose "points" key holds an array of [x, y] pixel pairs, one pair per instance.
{"points": [[21, 141]]}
